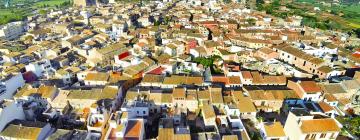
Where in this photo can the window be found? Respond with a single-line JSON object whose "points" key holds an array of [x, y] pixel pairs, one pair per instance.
{"points": [[323, 135], [144, 112], [313, 136], [137, 112]]}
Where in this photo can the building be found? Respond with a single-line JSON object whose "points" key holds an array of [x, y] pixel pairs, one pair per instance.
{"points": [[300, 59], [300, 125], [272, 131], [19, 129], [12, 30], [9, 85], [96, 78], [10, 111], [84, 3], [306, 90]]}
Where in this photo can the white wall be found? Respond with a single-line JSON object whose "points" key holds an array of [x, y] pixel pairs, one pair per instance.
{"points": [[12, 85], [9, 113]]}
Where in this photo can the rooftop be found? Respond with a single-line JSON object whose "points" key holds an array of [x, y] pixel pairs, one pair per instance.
{"points": [[319, 126], [274, 129]]}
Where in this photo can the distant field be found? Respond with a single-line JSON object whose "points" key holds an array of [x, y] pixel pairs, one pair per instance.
{"points": [[349, 9], [16, 12], [51, 3], [354, 25]]}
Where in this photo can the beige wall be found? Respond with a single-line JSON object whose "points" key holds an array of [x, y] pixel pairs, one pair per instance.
{"points": [[291, 128]]}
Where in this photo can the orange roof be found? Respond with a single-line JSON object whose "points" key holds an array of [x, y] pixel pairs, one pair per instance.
{"points": [[246, 74], [310, 86], [330, 98], [178, 93], [234, 80], [141, 44], [133, 129], [325, 107], [319, 126], [220, 79], [274, 130]]}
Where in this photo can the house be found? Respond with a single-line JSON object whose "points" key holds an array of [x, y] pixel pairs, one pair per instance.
{"points": [[69, 134], [325, 72], [256, 78], [252, 43], [19, 129], [245, 105], [299, 59], [9, 85], [246, 77], [40, 68], [334, 92], [84, 3], [12, 30], [73, 41], [327, 109], [125, 128], [266, 53], [271, 100], [152, 80], [198, 52], [10, 110], [43, 94], [118, 29], [175, 80], [209, 115], [67, 74], [85, 98], [301, 125], [306, 90], [231, 81], [272, 130], [96, 78]]}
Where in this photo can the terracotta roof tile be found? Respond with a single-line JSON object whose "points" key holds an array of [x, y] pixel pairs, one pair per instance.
{"points": [[310, 86], [319, 126]]}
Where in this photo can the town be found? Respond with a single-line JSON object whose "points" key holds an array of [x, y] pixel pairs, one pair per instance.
{"points": [[176, 70]]}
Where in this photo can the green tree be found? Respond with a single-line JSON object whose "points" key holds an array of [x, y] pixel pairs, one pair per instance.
{"points": [[42, 12], [227, 1], [251, 21]]}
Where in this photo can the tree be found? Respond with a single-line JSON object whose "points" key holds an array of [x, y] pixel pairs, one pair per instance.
{"points": [[227, 1], [251, 21], [357, 32], [42, 12], [351, 124]]}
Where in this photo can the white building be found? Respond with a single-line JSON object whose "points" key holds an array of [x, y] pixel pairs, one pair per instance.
{"points": [[12, 30], [271, 131], [19, 129], [9, 84], [136, 108], [118, 28], [41, 68], [300, 125], [9, 111]]}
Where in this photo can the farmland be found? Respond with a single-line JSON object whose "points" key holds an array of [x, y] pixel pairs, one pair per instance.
{"points": [[341, 16], [346, 12], [20, 9]]}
